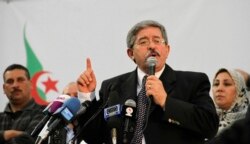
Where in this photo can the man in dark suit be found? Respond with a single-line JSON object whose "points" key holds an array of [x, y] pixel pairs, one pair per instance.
{"points": [[181, 110]]}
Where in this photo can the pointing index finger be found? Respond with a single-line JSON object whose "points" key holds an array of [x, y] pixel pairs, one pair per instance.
{"points": [[88, 62]]}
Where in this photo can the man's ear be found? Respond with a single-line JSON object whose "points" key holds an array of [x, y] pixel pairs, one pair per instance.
{"points": [[4, 89], [168, 50], [130, 54]]}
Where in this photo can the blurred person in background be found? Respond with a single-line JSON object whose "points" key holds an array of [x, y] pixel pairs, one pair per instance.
{"points": [[70, 89], [22, 113], [246, 77], [230, 96], [65, 134]]}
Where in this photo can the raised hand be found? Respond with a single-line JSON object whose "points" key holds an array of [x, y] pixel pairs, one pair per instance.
{"points": [[86, 82]]}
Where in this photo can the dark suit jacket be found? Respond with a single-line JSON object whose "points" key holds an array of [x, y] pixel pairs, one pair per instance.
{"points": [[189, 115]]}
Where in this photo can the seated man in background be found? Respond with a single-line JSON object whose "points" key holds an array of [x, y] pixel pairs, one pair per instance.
{"points": [[64, 135], [21, 114], [70, 89]]}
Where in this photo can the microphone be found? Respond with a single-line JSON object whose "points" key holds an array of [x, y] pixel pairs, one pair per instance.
{"points": [[112, 111], [111, 87], [112, 114], [65, 113], [48, 111], [151, 62], [85, 105], [129, 111]]}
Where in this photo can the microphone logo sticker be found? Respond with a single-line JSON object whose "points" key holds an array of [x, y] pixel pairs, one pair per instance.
{"points": [[129, 111]]}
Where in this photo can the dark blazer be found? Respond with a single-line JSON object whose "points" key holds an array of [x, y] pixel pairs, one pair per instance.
{"points": [[189, 116]]}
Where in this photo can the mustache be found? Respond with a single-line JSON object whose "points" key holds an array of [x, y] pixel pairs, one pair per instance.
{"points": [[16, 90], [152, 52]]}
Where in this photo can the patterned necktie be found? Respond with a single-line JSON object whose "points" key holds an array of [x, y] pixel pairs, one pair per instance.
{"points": [[142, 106]]}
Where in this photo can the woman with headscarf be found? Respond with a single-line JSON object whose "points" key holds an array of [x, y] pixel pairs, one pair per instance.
{"points": [[230, 97]]}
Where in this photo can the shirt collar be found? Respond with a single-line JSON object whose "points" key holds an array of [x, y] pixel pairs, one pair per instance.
{"points": [[141, 74], [29, 106]]}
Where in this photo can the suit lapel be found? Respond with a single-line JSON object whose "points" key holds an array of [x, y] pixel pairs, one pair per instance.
{"points": [[168, 79], [129, 86], [129, 83]]}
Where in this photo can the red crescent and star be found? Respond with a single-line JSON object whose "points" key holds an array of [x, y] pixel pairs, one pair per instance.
{"points": [[49, 85]]}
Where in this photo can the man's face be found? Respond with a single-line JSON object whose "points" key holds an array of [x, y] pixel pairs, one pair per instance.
{"points": [[149, 42], [16, 86], [71, 90]]}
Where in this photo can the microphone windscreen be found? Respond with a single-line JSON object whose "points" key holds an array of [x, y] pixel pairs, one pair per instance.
{"points": [[73, 104], [58, 102], [55, 105], [151, 61], [130, 103]]}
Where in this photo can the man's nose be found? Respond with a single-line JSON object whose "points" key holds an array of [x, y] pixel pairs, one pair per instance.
{"points": [[15, 84], [151, 46]]}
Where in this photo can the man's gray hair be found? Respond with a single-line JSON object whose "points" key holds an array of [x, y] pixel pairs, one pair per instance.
{"points": [[131, 37]]}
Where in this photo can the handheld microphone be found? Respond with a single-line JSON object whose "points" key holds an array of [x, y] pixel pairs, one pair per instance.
{"points": [[66, 113], [48, 111], [112, 114], [129, 110], [151, 62]]}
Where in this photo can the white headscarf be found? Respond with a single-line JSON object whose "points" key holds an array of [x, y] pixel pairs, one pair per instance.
{"points": [[239, 107]]}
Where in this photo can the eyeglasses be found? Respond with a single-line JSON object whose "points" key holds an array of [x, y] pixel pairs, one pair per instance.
{"points": [[146, 42]]}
